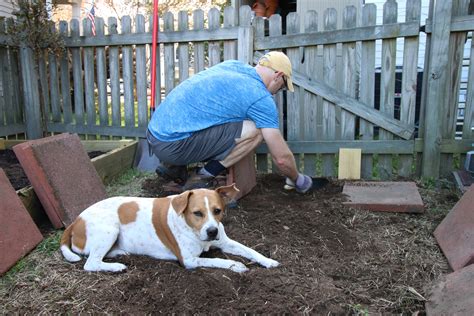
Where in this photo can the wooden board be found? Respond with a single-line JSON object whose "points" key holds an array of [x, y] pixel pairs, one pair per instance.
{"points": [[349, 163]]}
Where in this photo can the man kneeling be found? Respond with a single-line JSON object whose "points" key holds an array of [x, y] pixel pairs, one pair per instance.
{"points": [[219, 116]]}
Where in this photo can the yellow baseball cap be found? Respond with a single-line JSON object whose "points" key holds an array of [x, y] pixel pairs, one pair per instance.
{"points": [[278, 61]]}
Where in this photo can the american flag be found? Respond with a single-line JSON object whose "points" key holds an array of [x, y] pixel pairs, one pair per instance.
{"points": [[91, 17]]}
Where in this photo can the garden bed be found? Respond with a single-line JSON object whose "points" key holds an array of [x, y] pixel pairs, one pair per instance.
{"points": [[334, 259]]}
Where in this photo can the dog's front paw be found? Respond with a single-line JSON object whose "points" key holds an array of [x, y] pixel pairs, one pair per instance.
{"points": [[269, 263], [238, 267]]}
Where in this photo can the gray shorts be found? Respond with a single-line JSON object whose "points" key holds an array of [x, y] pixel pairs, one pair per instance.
{"points": [[213, 143]]}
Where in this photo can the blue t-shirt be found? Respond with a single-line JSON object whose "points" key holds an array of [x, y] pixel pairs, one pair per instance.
{"points": [[227, 92]]}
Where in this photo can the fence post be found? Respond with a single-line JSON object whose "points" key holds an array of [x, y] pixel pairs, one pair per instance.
{"points": [[437, 84], [245, 36], [30, 94]]}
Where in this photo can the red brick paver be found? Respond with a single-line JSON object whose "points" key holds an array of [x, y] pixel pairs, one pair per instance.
{"points": [[19, 234], [455, 234], [244, 176], [62, 175], [452, 295], [384, 196]]}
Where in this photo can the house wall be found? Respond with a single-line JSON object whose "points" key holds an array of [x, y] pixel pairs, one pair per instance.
{"points": [[322, 5], [6, 8]]}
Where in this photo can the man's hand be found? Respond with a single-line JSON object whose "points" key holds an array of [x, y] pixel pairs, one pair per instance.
{"points": [[302, 185]]}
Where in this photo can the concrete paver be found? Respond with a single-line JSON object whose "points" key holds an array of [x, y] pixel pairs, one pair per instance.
{"points": [[244, 175], [452, 294], [455, 234], [384, 196], [62, 176], [19, 234]]}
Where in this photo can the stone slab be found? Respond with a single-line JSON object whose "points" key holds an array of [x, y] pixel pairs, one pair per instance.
{"points": [[62, 176], [384, 196], [453, 294], [19, 234], [244, 175], [455, 234]]}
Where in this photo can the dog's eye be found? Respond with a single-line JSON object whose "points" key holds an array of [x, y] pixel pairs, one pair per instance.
{"points": [[198, 213], [217, 211]]}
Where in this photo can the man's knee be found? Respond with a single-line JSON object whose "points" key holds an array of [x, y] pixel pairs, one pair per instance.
{"points": [[250, 131]]}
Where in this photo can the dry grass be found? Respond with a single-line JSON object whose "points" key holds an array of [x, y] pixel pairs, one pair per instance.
{"points": [[387, 272]]}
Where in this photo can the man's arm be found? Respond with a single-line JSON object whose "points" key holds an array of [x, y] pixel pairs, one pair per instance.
{"points": [[281, 154]]}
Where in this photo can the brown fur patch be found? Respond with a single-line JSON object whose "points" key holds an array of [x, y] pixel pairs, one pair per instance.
{"points": [[160, 222], [128, 212], [78, 234]]}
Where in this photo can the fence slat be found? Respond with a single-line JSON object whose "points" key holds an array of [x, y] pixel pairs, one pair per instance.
{"points": [[436, 89], [245, 35], [183, 48], [450, 106], [198, 21], [214, 46], [467, 132], [114, 69], [54, 84], [128, 84], [101, 78], [142, 78], [31, 97], [409, 81], [44, 85], [16, 94], [7, 84], [78, 106], [89, 78], [349, 73], [230, 20], [329, 73], [276, 29], [54, 88], [65, 78], [310, 103], [367, 79], [387, 84], [169, 55]]}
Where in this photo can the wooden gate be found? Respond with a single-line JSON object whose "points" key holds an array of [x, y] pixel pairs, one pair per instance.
{"points": [[333, 105]]}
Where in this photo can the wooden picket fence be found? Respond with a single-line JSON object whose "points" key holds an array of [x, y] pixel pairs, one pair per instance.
{"points": [[99, 88]]}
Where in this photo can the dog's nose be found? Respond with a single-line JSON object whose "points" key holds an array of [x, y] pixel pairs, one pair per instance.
{"points": [[212, 233]]}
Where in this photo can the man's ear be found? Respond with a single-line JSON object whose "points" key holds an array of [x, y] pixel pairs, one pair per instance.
{"points": [[180, 202], [228, 193]]}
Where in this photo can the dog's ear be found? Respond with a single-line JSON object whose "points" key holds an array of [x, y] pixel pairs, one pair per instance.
{"points": [[180, 202], [228, 193]]}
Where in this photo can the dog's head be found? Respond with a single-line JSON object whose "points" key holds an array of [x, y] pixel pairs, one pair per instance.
{"points": [[203, 209]]}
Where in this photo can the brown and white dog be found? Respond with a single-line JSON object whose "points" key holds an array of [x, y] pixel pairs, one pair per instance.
{"points": [[178, 227]]}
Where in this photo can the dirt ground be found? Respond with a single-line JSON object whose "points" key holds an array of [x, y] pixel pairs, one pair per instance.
{"points": [[334, 260]]}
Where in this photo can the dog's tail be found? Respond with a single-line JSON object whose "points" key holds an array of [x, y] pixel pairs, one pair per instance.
{"points": [[65, 243]]}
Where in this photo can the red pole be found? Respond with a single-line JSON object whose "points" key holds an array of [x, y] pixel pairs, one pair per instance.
{"points": [[154, 41]]}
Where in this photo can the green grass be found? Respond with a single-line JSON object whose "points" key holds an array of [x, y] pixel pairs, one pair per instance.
{"points": [[129, 183], [48, 246]]}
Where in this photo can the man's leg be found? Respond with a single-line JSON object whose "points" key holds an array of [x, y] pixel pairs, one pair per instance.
{"points": [[250, 138]]}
